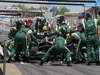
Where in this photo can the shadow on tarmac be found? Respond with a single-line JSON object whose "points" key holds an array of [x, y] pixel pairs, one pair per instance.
{"points": [[1, 73]]}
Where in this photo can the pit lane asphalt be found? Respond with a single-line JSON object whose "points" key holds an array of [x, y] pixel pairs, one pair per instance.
{"points": [[47, 69]]}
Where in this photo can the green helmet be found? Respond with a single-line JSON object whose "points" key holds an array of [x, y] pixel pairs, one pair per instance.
{"points": [[63, 29], [19, 24], [60, 19]]}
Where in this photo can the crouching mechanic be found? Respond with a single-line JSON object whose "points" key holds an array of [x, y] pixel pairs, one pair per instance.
{"points": [[58, 48]]}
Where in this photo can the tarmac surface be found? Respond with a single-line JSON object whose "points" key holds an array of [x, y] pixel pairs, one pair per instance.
{"points": [[76, 69], [1, 73], [11, 69], [47, 69]]}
